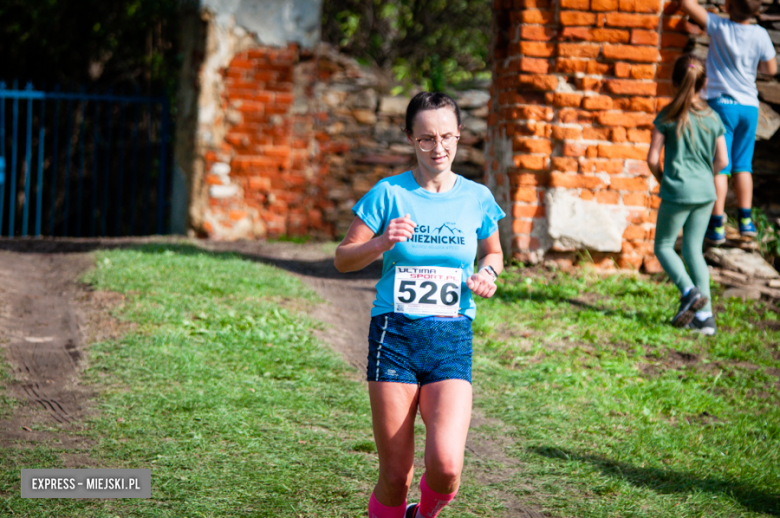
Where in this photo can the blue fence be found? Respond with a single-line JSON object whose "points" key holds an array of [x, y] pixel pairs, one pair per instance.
{"points": [[78, 164]]}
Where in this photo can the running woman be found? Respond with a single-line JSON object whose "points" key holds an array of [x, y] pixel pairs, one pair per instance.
{"points": [[693, 136], [428, 225]]}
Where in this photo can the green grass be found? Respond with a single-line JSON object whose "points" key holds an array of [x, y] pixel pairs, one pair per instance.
{"points": [[223, 392], [615, 413]]}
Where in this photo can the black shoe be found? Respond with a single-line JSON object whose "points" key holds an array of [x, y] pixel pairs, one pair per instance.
{"points": [[411, 510], [689, 305], [705, 327]]}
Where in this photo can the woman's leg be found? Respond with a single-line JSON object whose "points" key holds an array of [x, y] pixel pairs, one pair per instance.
{"points": [[693, 239], [393, 409], [445, 407]]}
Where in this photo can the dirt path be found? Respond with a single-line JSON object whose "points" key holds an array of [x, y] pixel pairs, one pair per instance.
{"points": [[46, 318]]}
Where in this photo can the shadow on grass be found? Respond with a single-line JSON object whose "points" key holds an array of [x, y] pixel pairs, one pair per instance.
{"points": [[306, 260], [667, 481], [540, 297]]}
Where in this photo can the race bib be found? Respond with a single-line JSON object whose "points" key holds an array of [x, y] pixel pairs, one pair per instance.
{"points": [[427, 290]]}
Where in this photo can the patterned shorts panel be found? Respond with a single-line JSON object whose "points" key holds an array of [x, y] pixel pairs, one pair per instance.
{"points": [[419, 351]]}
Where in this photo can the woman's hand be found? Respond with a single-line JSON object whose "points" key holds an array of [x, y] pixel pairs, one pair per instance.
{"points": [[482, 284], [398, 231]]}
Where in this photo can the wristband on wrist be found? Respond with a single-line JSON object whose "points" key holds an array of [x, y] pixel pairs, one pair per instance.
{"points": [[491, 271]]}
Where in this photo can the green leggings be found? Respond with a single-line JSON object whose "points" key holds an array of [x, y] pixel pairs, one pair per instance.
{"points": [[693, 220]]}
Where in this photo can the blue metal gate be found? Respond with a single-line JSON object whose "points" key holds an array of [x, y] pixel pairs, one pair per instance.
{"points": [[78, 164]]}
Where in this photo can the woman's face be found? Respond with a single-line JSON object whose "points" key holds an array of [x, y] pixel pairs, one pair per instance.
{"points": [[434, 126]]}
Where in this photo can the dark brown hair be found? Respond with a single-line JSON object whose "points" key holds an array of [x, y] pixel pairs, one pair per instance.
{"points": [[688, 76], [429, 101], [742, 10]]}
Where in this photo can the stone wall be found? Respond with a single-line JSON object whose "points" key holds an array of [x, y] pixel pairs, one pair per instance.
{"points": [[289, 138], [577, 84]]}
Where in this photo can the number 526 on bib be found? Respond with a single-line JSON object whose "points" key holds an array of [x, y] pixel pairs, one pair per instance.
{"points": [[427, 290]]}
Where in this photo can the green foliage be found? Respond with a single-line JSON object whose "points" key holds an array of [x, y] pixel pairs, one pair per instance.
{"points": [[768, 236], [432, 43], [125, 44]]}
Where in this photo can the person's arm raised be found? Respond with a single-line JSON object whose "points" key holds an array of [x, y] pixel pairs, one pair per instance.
{"points": [[360, 248], [695, 12]]}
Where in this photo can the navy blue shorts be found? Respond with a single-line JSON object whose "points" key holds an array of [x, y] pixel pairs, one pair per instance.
{"points": [[419, 351]]}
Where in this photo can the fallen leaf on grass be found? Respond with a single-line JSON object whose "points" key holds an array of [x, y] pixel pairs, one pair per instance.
{"points": [[26, 428]]}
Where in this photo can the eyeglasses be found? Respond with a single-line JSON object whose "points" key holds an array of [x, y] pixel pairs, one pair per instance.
{"points": [[428, 143]]}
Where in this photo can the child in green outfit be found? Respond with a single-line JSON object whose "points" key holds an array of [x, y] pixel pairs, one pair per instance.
{"points": [[693, 135]]}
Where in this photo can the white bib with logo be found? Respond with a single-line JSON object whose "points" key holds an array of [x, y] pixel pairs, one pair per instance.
{"points": [[427, 290]]}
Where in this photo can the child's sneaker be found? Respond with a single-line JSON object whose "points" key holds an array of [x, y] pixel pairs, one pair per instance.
{"points": [[747, 228], [717, 235], [411, 510], [705, 327], [689, 305]]}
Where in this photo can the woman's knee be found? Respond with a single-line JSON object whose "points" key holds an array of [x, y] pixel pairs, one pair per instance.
{"points": [[446, 468], [397, 478]]}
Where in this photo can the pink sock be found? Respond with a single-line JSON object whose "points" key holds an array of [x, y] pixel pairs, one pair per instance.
{"points": [[431, 502], [377, 510]]}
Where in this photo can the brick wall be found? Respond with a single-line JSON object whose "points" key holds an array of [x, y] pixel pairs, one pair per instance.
{"points": [[577, 84]]}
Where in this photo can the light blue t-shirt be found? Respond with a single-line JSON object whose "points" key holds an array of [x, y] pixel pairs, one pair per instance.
{"points": [[449, 224], [732, 60]]}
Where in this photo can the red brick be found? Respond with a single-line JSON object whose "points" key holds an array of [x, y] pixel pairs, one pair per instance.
{"points": [[532, 162], [596, 68], [661, 103], [574, 149], [642, 104], [534, 66], [609, 35], [647, 6], [526, 194], [639, 37], [591, 133], [531, 4], [575, 181], [643, 71], [670, 56], [622, 70], [638, 168], [528, 211], [532, 113], [565, 164], [597, 102], [626, 120], [522, 227], [536, 49], [570, 18], [608, 197], [627, 5], [578, 50], [568, 116], [665, 88], [575, 33], [539, 16], [622, 151], [587, 195], [634, 232], [618, 135], [531, 145], [567, 100], [673, 39], [538, 82], [588, 83], [592, 152], [528, 178], [639, 136], [579, 5], [570, 66], [566, 133], [601, 166], [603, 5], [629, 262], [635, 21], [636, 199], [655, 201], [665, 71], [673, 23], [629, 87], [531, 128], [259, 183], [536, 33], [631, 53], [629, 184]]}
